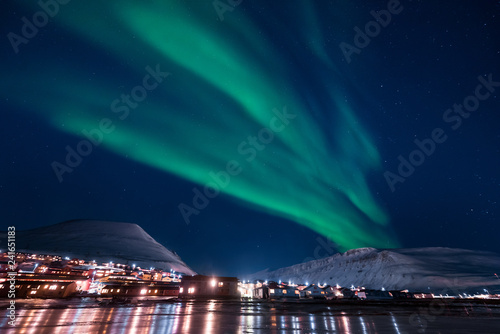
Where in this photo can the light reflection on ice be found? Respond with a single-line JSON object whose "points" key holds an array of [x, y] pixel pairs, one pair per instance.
{"points": [[212, 317], [363, 326], [209, 319], [396, 327]]}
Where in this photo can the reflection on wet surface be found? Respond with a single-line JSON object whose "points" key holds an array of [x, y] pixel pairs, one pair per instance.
{"points": [[235, 317]]}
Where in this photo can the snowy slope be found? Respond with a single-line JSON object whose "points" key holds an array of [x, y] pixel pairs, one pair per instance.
{"points": [[102, 241], [413, 269]]}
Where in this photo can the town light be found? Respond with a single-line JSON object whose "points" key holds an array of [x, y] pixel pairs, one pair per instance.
{"points": [[213, 282]]}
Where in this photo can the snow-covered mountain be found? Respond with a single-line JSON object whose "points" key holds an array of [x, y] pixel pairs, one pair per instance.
{"points": [[102, 241], [413, 269]]}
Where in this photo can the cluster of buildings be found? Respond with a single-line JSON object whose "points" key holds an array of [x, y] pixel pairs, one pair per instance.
{"points": [[49, 276], [274, 290]]}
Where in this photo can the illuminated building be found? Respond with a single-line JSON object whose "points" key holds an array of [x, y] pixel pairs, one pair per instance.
{"points": [[200, 286]]}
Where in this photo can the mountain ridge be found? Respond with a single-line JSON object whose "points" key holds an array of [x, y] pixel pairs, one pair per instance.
{"points": [[396, 269]]}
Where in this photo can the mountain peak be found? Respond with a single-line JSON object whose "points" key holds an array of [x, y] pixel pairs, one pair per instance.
{"points": [[102, 241]]}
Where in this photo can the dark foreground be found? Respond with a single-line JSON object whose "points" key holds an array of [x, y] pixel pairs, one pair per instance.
{"points": [[211, 316]]}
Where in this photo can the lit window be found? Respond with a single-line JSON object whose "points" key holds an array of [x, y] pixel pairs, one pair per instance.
{"points": [[143, 291], [284, 291], [112, 290], [118, 290], [46, 286], [53, 287], [105, 290], [191, 290], [296, 292], [271, 290], [33, 292], [221, 284], [181, 290], [1, 286]]}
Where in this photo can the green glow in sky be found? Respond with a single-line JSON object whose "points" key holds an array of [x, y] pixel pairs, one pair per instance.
{"points": [[226, 78]]}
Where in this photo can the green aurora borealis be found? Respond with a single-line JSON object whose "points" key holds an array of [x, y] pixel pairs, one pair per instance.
{"points": [[226, 78]]}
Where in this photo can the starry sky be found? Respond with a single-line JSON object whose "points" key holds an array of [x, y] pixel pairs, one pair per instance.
{"points": [[247, 135]]}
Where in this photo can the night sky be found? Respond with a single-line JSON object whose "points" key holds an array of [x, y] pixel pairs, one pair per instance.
{"points": [[289, 118]]}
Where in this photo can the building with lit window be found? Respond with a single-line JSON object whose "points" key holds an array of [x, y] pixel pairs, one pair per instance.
{"points": [[273, 290], [200, 286], [45, 286], [138, 289], [314, 291]]}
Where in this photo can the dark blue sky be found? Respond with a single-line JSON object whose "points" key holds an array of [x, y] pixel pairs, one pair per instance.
{"points": [[398, 88]]}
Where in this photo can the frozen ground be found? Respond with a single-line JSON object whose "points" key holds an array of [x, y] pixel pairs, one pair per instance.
{"points": [[249, 317]]}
